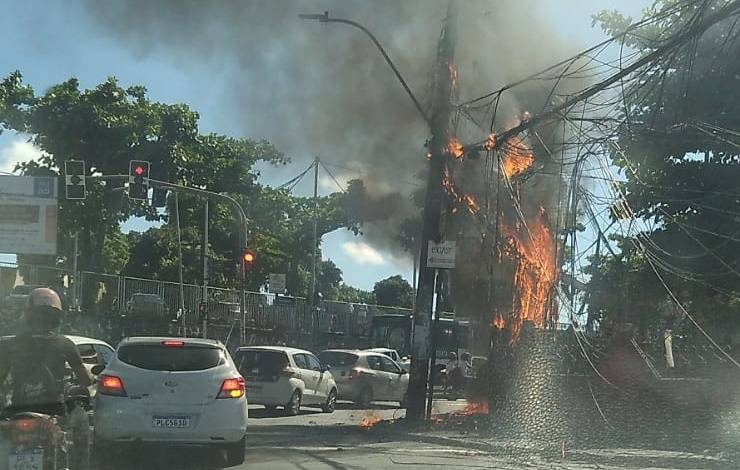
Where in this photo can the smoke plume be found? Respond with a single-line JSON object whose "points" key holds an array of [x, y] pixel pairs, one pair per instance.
{"points": [[323, 89]]}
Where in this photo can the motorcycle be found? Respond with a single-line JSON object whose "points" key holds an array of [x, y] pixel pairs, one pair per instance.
{"points": [[30, 440]]}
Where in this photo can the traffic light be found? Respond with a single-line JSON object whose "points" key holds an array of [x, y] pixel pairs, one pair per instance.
{"points": [[138, 180], [248, 258], [74, 179]]}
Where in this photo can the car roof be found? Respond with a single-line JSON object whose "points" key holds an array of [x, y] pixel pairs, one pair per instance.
{"points": [[85, 340], [275, 348], [158, 340], [381, 350], [351, 351]]}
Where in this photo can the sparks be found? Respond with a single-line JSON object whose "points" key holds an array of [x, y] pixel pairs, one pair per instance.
{"points": [[453, 76], [498, 321], [490, 144]]}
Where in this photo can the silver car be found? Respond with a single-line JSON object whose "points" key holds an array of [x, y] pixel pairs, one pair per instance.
{"points": [[366, 376]]}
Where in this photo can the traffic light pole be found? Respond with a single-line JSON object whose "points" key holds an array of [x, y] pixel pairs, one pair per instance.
{"points": [[209, 195]]}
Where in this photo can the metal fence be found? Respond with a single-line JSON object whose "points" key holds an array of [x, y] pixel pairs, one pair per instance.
{"points": [[267, 317]]}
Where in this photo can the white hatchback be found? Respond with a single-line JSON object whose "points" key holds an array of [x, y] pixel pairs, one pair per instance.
{"points": [[286, 377], [172, 390]]}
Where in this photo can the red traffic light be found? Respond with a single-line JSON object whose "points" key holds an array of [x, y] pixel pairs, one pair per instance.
{"points": [[249, 257], [139, 170]]}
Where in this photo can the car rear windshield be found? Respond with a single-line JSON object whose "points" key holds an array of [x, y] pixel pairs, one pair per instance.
{"points": [[174, 359], [337, 359], [260, 364]]}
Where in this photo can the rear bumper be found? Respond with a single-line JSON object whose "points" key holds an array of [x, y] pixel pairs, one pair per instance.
{"points": [[121, 419], [272, 393]]}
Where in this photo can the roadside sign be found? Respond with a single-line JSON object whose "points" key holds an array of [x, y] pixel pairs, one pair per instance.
{"points": [[28, 215], [277, 283], [441, 255]]}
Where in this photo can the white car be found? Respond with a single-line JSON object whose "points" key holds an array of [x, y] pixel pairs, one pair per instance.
{"points": [[286, 377], [172, 390], [367, 376], [93, 351], [404, 362]]}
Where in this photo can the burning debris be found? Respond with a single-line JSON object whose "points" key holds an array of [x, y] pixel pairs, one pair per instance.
{"points": [[455, 148], [476, 406], [370, 420], [457, 198], [517, 158], [498, 321]]}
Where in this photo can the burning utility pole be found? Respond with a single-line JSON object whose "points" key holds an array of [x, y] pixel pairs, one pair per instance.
{"points": [[439, 122]]}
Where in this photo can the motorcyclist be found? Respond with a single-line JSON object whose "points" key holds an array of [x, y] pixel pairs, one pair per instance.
{"points": [[36, 361]]}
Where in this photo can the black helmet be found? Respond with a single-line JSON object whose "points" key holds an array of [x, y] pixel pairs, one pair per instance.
{"points": [[43, 310], [452, 356]]}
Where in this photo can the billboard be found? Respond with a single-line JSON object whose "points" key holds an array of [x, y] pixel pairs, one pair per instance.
{"points": [[28, 215]]}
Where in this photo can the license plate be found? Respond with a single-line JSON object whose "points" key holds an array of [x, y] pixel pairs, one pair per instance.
{"points": [[177, 422], [32, 459]]}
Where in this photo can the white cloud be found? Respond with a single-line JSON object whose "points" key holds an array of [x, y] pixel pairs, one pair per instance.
{"points": [[363, 253], [327, 183], [16, 152]]}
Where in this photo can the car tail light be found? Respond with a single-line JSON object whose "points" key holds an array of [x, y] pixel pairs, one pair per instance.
{"points": [[288, 372], [233, 388], [26, 425], [173, 343], [111, 385]]}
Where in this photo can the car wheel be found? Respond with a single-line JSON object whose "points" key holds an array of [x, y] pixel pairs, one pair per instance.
{"points": [[331, 402], [366, 397], [293, 407], [235, 452]]}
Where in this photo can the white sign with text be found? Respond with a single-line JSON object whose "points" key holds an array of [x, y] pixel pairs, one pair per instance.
{"points": [[441, 255]]}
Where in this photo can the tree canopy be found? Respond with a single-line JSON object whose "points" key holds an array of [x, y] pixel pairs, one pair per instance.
{"points": [[679, 152], [107, 126]]}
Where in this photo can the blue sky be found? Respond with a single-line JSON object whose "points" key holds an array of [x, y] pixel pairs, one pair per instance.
{"points": [[49, 42]]}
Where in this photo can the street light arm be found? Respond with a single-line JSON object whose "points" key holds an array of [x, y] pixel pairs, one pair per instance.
{"points": [[324, 18]]}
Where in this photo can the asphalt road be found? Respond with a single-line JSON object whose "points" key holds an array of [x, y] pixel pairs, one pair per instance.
{"points": [[320, 441]]}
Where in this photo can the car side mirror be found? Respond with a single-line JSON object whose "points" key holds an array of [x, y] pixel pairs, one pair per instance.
{"points": [[325, 368], [97, 369]]}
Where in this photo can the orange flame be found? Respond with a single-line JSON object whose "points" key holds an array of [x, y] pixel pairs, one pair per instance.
{"points": [[476, 406], [490, 143], [533, 247], [369, 421], [455, 148], [518, 157], [498, 321], [457, 198]]}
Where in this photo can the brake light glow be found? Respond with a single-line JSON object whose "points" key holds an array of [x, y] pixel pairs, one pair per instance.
{"points": [[233, 388], [173, 343], [111, 385], [26, 425]]}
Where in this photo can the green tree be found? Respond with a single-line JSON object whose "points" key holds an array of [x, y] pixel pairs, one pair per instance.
{"points": [[681, 158], [351, 294], [394, 291], [107, 126]]}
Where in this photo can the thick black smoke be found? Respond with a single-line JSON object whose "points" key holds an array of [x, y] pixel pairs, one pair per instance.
{"points": [[323, 89]]}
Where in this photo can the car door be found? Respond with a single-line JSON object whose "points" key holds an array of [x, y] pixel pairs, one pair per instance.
{"points": [[322, 382], [381, 379], [396, 389], [309, 377]]}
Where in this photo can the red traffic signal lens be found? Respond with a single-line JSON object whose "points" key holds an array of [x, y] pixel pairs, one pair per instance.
{"points": [[249, 257], [139, 170]]}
